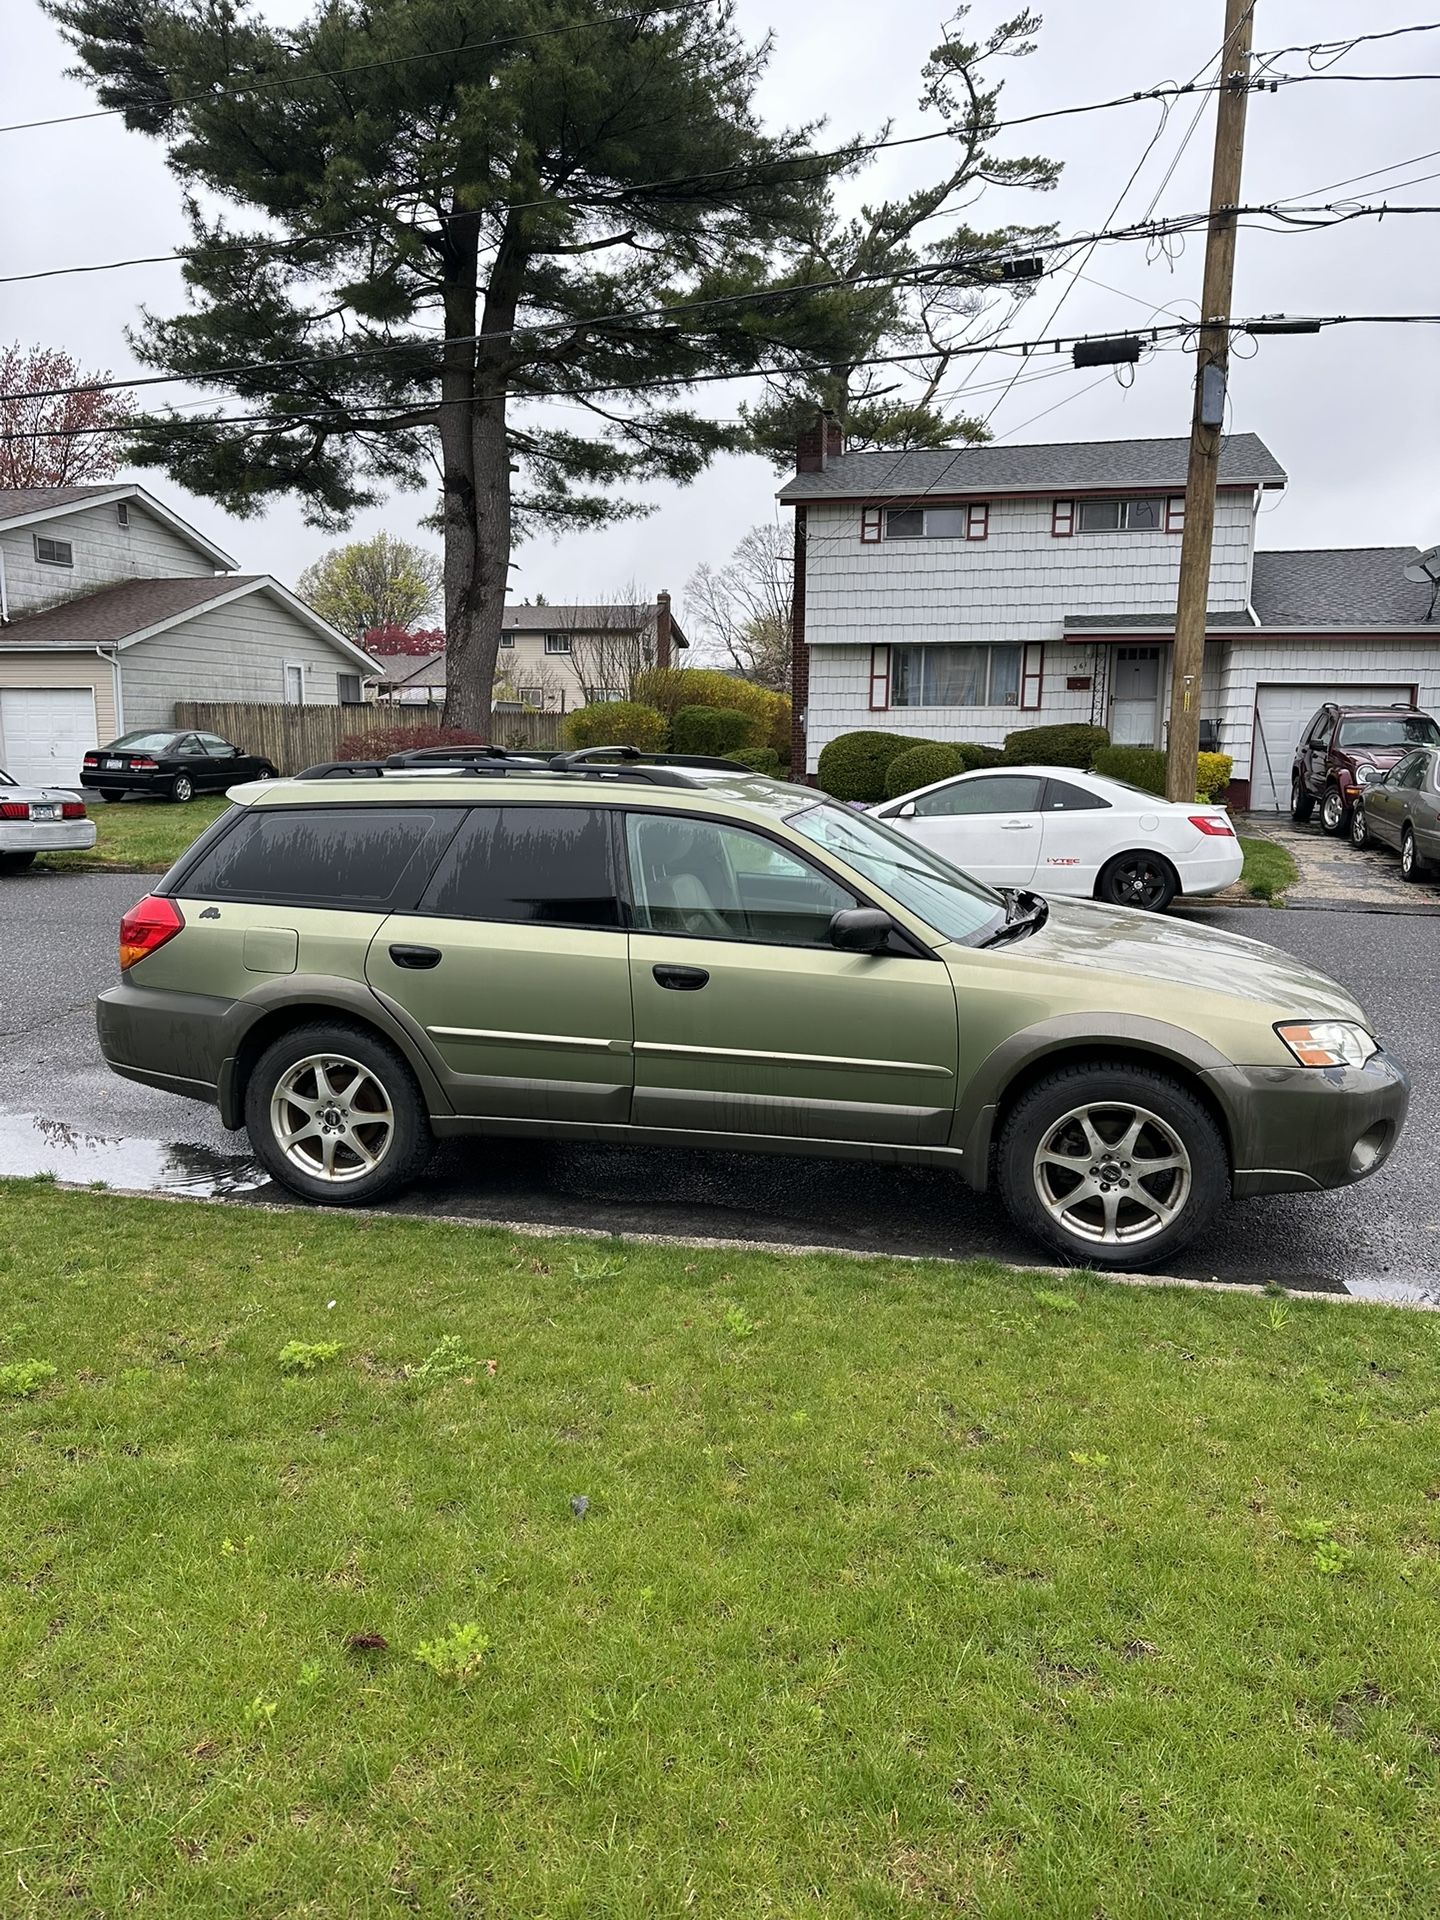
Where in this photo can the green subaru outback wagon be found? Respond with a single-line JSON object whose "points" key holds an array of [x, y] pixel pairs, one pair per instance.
{"points": [[628, 949]]}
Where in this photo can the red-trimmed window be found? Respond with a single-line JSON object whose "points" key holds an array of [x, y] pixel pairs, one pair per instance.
{"points": [[1062, 519], [1032, 675], [977, 520], [879, 678], [1175, 514], [870, 524]]}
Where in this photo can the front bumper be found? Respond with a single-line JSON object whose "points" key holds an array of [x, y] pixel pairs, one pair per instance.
{"points": [[45, 836], [1300, 1129]]}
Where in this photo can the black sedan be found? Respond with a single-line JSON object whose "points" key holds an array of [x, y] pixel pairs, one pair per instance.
{"points": [[177, 765]]}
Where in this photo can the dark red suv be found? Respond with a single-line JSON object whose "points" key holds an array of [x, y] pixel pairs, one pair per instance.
{"points": [[1343, 749]]}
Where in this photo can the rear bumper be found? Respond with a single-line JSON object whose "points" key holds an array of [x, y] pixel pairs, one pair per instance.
{"points": [[45, 836], [122, 780], [1300, 1129], [1206, 872], [170, 1040]]}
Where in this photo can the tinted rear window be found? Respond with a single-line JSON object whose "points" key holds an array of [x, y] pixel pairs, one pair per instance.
{"points": [[376, 859], [146, 742], [550, 865]]}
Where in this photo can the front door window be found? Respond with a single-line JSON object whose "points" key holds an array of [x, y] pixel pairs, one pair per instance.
{"points": [[1135, 697]]}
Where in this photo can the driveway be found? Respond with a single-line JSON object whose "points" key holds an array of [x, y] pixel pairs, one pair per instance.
{"points": [[1334, 877], [61, 1110]]}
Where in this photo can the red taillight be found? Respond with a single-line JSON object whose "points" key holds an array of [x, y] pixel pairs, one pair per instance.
{"points": [[92, 760], [73, 810], [146, 927], [144, 766], [14, 810], [1212, 823]]}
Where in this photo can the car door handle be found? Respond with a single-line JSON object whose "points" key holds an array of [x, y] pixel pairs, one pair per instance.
{"points": [[681, 979], [1017, 826], [416, 958]]}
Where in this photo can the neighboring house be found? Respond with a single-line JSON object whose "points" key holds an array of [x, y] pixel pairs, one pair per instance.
{"points": [[958, 594], [555, 658], [114, 608]]}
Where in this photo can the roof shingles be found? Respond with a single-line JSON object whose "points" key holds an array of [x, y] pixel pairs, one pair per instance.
{"points": [[115, 613]]}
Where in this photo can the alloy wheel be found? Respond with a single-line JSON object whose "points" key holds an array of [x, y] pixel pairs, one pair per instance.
{"points": [[1137, 880], [1332, 811], [1112, 1173], [182, 787], [1359, 831], [332, 1118], [1407, 853]]}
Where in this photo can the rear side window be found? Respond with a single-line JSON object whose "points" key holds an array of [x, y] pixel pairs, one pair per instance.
{"points": [[551, 866], [372, 859], [1061, 797]]}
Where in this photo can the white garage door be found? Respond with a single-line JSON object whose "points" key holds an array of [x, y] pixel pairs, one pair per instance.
{"points": [[45, 732], [1281, 716]]}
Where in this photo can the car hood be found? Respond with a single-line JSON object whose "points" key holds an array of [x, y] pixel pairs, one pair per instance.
{"points": [[1172, 952]]}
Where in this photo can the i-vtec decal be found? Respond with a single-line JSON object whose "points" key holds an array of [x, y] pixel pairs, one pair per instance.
{"points": [[1062, 863]]}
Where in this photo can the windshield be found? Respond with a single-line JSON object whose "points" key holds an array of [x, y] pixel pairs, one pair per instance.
{"points": [[146, 742], [941, 895], [1390, 730]]}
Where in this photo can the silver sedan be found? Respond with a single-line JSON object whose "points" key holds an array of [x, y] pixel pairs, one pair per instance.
{"points": [[39, 820], [1402, 810]]}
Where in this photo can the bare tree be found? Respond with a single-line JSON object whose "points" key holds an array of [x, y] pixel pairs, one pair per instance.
{"points": [[742, 610], [611, 641]]}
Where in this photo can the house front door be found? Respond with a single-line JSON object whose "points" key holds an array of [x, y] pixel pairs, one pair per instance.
{"points": [[1135, 697]]}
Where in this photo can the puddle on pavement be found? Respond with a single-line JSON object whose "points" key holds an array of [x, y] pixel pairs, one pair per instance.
{"points": [[32, 1143]]}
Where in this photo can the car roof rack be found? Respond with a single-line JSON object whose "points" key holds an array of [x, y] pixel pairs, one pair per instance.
{"points": [[621, 763]]}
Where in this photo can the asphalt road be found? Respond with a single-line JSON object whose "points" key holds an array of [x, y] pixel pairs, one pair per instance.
{"points": [[60, 1109]]}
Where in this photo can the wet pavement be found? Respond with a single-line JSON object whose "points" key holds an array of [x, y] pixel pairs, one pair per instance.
{"points": [[62, 1112]]}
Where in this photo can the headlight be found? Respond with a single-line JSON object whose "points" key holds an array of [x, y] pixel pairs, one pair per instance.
{"points": [[1328, 1043], [1364, 775]]}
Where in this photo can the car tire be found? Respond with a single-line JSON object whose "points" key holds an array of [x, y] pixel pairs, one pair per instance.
{"points": [[16, 862], [1093, 1106], [268, 772], [1302, 801], [358, 1066], [1412, 861], [112, 796], [182, 788], [1359, 827], [1334, 814], [1138, 879]]}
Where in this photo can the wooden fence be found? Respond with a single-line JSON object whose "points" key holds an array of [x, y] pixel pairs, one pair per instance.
{"points": [[295, 736]]}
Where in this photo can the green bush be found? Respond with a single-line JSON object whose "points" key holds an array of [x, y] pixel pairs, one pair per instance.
{"points": [[1067, 745], [853, 766], [1136, 766], [1212, 775], [617, 723], [921, 766], [718, 730], [760, 760], [974, 755]]}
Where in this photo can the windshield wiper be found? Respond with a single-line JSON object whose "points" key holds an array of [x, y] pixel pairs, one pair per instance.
{"points": [[1025, 913]]}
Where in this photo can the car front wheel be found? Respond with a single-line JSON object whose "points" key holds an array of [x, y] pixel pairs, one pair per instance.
{"points": [[1138, 879], [334, 1114], [1302, 802], [1334, 814], [1111, 1165]]}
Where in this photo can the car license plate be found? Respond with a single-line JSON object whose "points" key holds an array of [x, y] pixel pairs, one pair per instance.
{"points": [[114, 763], [42, 810]]}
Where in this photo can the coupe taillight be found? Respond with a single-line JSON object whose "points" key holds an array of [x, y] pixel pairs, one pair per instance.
{"points": [[1213, 823], [146, 928], [91, 760], [144, 766], [73, 810]]}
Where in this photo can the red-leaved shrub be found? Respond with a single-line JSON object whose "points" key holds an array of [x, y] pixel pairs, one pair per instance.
{"points": [[388, 740], [382, 641]]}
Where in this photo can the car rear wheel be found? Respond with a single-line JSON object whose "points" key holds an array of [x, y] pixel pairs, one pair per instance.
{"points": [[1111, 1165], [1412, 864], [1302, 802], [1138, 879], [182, 788], [1334, 814], [334, 1114], [112, 796], [16, 862], [1359, 827]]}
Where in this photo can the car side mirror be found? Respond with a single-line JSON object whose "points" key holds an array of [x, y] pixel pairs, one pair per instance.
{"points": [[860, 930]]}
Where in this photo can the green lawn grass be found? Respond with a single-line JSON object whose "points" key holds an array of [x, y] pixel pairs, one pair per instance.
{"points": [[1269, 869], [141, 836], [901, 1588]]}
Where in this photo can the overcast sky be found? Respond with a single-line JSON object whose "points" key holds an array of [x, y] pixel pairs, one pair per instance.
{"points": [[1351, 414]]}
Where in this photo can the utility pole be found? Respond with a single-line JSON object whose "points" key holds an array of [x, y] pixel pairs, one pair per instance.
{"points": [[1212, 361]]}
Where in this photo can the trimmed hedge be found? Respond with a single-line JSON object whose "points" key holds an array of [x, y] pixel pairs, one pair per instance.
{"points": [[760, 760], [921, 766], [617, 723], [1067, 745], [1137, 766], [671, 688], [976, 756], [716, 730], [853, 765]]}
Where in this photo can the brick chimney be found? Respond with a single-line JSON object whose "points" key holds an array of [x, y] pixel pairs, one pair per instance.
{"points": [[819, 445], [663, 647]]}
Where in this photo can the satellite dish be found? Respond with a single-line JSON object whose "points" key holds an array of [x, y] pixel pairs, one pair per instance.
{"points": [[1426, 569]]}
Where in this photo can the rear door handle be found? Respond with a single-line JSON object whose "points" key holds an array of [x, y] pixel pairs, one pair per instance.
{"points": [[416, 958], [1017, 826], [681, 979]]}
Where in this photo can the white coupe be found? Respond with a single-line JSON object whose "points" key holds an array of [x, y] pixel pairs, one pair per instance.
{"points": [[1056, 830], [39, 820]]}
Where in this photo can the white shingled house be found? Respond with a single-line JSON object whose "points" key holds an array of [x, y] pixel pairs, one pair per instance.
{"points": [[956, 594], [112, 608]]}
